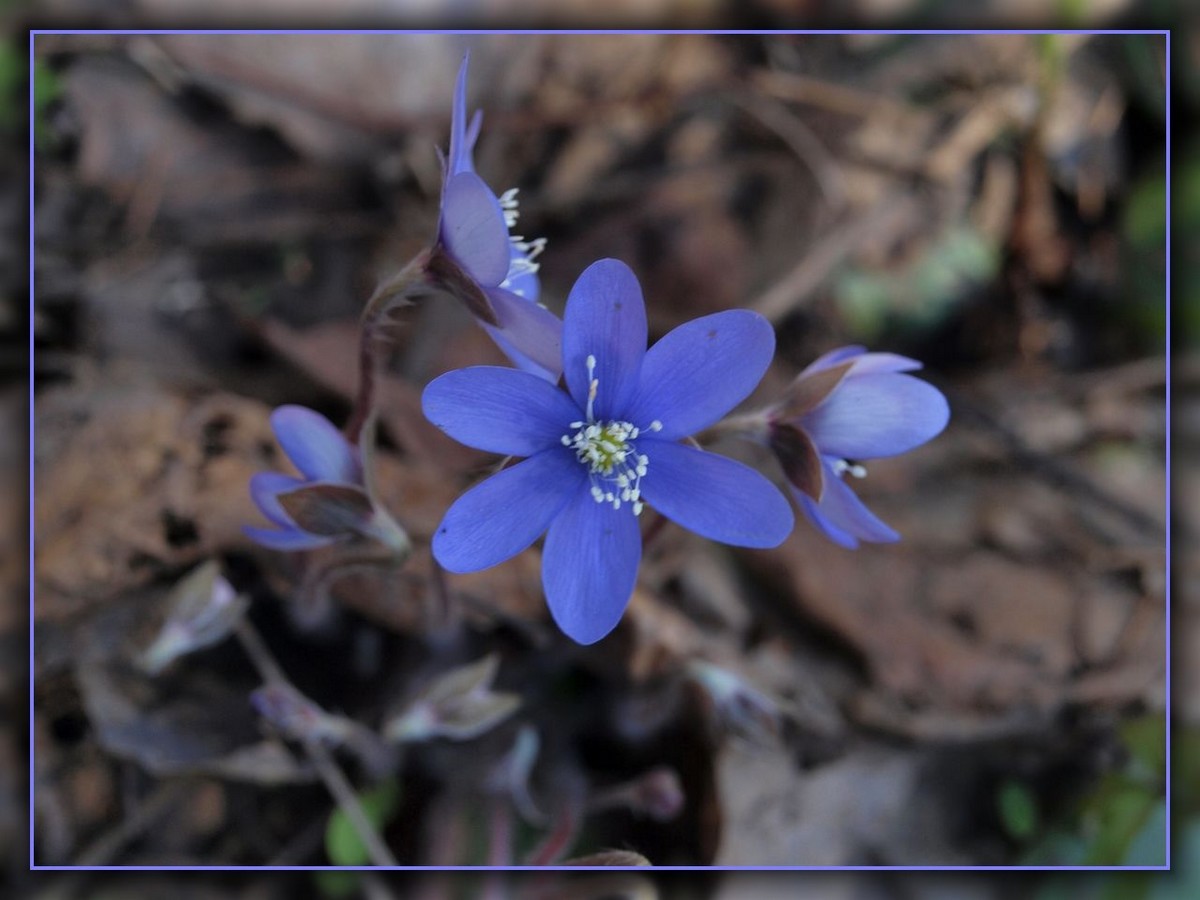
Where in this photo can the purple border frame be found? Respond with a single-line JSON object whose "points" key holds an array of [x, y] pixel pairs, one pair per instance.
{"points": [[1164, 33]]}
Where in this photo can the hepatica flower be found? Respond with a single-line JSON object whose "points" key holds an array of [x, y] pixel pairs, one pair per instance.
{"points": [[475, 231], [847, 407], [606, 447], [328, 501]]}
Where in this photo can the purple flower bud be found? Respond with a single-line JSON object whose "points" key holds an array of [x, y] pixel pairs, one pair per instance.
{"points": [[740, 707], [657, 794], [460, 706], [298, 717], [201, 610]]}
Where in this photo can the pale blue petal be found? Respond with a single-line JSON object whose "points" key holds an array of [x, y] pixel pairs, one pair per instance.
{"points": [[265, 488], [589, 566], [534, 331], [521, 280], [519, 359], [499, 410], [877, 415], [462, 138], [714, 496], [473, 228], [842, 517], [700, 371], [864, 363], [315, 445], [292, 539], [824, 523], [500, 517], [833, 358], [882, 363], [605, 318]]}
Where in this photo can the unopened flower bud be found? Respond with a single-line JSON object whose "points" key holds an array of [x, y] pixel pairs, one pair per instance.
{"points": [[201, 611], [297, 716], [459, 705], [741, 708]]}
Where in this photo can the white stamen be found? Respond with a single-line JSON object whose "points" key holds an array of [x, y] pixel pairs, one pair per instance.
{"points": [[841, 466], [615, 468], [527, 250]]}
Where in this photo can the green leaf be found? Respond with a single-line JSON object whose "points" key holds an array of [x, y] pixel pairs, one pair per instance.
{"points": [[343, 846], [1145, 222], [337, 885], [1119, 811], [1146, 739], [1148, 846], [1018, 810]]}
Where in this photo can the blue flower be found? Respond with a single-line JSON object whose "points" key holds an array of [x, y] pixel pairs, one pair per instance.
{"points": [[846, 407], [475, 232], [604, 447], [325, 460]]}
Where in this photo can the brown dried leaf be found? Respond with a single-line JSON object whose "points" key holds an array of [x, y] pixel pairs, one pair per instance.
{"points": [[184, 726], [132, 481]]}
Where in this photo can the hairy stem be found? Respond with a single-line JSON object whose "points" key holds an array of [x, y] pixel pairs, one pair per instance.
{"points": [[393, 292]]}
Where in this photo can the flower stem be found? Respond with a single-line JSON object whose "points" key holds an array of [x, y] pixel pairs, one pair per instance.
{"points": [[327, 768], [555, 845], [393, 292]]}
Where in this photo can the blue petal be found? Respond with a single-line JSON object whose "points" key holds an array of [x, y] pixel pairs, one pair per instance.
{"points": [[534, 331], [605, 318], [473, 228], [714, 496], [462, 140], [825, 525], [291, 539], [701, 370], [500, 517], [265, 488], [842, 517], [589, 566], [315, 445], [519, 359], [498, 409], [877, 415]]}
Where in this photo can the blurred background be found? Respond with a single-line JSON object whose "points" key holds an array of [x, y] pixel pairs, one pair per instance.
{"points": [[212, 213]]}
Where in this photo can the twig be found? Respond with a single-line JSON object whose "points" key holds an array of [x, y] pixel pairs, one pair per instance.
{"points": [[335, 780], [808, 274], [836, 98], [802, 141], [1056, 473]]}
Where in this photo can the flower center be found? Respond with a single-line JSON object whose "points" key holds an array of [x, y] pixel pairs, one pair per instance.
{"points": [[615, 468]]}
